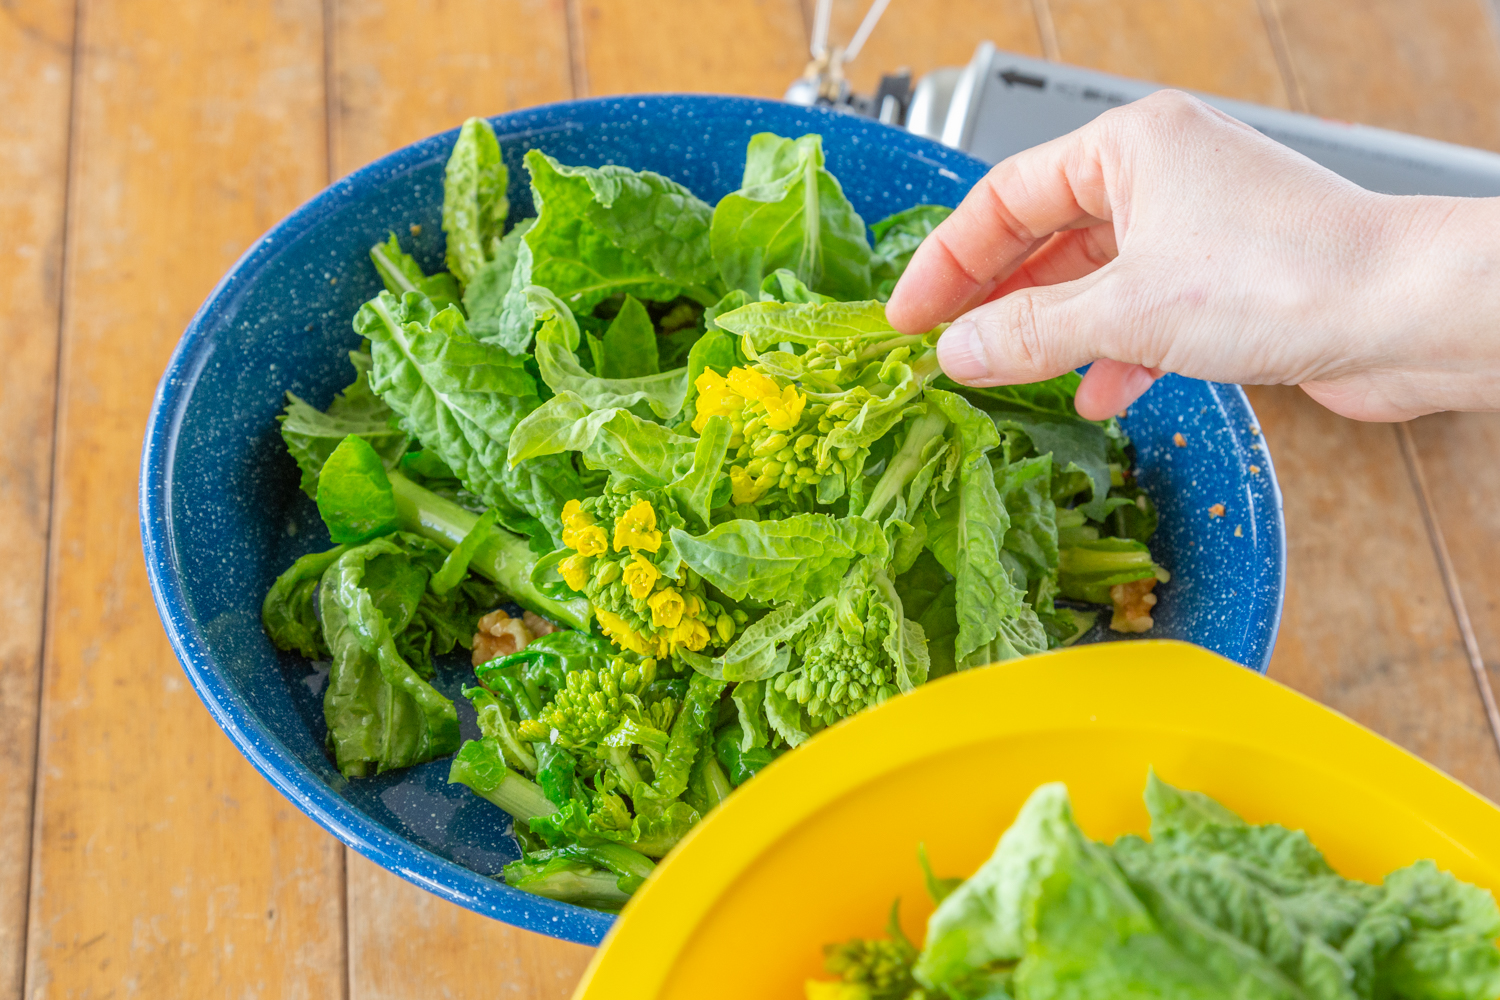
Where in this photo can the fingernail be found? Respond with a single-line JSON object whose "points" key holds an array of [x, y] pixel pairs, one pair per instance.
{"points": [[961, 352]]}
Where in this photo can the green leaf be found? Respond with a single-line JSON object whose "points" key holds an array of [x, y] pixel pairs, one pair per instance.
{"points": [[749, 702], [401, 274], [610, 230], [741, 763], [1075, 445], [311, 435], [456, 565], [763, 325], [379, 710], [556, 347], [694, 491], [629, 344], [994, 621], [799, 559], [289, 613], [897, 238], [782, 285], [763, 648], [354, 493], [474, 201], [463, 399], [790, 212], [485, 296], [614, 439]]}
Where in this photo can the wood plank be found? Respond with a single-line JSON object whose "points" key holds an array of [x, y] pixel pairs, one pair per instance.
{"points": [[164, 865], [402, 72], [1215, 46], [754, 47], [478, 57], [911, 35], [405, 942], [36, 50], [1367, 628], [1457, 452], [1432, 68]]}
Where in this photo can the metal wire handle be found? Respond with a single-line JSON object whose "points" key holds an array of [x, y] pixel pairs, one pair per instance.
{"points": [[823, 15]]}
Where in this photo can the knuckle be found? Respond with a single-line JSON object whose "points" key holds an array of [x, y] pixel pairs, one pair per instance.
{"points": [[1024, 340]]}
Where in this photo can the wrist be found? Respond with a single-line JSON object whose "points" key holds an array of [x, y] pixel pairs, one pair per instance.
{"points": [[1423, 323]]}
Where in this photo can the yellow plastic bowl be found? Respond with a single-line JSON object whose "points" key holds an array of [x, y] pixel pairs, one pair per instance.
{"points": [[816, 847]]}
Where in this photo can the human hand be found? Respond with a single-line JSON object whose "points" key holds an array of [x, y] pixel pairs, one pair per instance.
{"points": [[1166, 236]]}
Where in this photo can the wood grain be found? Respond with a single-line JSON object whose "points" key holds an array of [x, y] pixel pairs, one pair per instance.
{"points": [[910, 35], [1215, 46], [402, 71], [754, 47], [1458, 452], [164, 865], [37, 41], [1432, 67], [405, 942], [1367, 627], [476, 57]]}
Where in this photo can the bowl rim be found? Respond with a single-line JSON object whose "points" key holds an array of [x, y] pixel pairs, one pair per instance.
{"points": [[1195, 693], [263, 749]]}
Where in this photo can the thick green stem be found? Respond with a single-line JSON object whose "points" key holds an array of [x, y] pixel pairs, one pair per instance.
{"points": [[905, 463], [504, 558]]}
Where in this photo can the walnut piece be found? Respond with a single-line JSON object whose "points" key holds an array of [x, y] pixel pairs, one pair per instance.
{"points": [[537, 625], [1133, 603], [499, 635]]}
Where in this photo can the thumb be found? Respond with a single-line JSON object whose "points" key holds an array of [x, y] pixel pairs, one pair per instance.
{"points": [[1027, 336]]}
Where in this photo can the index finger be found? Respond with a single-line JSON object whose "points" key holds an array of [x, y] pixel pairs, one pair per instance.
{"points": [[1019, 203]]}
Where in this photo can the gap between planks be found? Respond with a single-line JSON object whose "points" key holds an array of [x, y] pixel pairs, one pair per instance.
{"points": [[330, 118], [1451, 582], [34, 875]]}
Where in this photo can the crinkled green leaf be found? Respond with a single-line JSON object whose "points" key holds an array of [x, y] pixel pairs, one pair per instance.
{"points": [[463, 399], [603, 231], [379, 711], [556, 344], [763, 325], [896, 239], [311, 435], [790, 212], [967, 535], [401, 273], [486, 296], [695, 491], [614, 439], [799, 559], [289, 612], [474, 200]]}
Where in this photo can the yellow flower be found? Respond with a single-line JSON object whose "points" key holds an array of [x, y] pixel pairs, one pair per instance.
{"points": [[692, 633], [666, 608], [692, 606], [575, 570], [752, 384], [640, 576], [591, 541], [784, 410], [574, 519], [714, 398], [636, 529], [623, 635], [742, 486]]}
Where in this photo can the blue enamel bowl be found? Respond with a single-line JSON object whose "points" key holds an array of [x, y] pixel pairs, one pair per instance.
{"points": [[221, 514]]}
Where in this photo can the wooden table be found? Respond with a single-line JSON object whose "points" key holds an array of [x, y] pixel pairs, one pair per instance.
{"points": [[144, 145]]}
